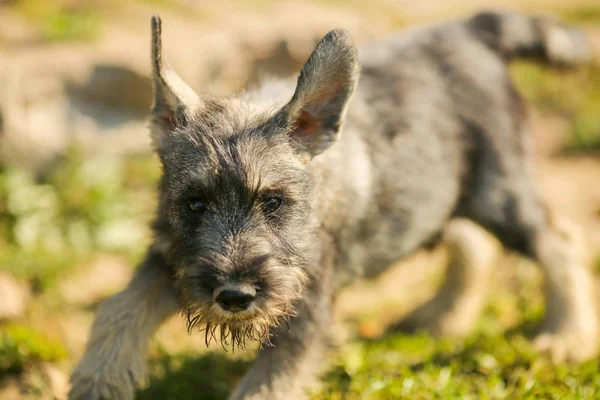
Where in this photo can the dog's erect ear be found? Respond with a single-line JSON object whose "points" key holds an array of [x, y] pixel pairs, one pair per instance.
{"points": [[174, 101], [325, 85]]}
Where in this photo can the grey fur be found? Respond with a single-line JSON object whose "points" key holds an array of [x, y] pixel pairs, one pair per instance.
{"points": [[435, 132]]}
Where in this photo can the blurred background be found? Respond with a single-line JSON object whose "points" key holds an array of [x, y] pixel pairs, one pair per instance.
{"points": [[77, 182]]}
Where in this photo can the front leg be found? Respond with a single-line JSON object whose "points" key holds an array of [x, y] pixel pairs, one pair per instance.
{"points": [[289, 368], [115, 358]]}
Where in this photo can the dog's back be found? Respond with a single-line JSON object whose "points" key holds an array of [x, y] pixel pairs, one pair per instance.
{"points": [[435, 130]]}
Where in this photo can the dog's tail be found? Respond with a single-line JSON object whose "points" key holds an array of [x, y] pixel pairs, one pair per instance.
{"points": [[540, 37]]}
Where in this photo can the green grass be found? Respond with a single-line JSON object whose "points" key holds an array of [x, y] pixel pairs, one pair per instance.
{"points": [[49, 224], [61, 20], [201, 377], [21, 346], [484, 366], [53, 223], [481, 367], [68, 25]]}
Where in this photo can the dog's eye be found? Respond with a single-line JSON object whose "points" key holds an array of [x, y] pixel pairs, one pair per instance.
{"points": [[272, 203], [196, 206]]}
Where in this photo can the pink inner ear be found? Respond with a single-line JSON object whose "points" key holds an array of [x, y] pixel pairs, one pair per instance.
{"points": [[306, 124]]}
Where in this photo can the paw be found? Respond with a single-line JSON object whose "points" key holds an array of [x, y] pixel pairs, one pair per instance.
{"points": [[571, 330], [100, 387], [106, 378], [567, 346]]}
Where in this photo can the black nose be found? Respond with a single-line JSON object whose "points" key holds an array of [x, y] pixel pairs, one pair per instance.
{"points": [[234, 299]]}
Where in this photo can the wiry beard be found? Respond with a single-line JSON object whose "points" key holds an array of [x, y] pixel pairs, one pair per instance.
{"points": [[274, 307], [236, 334]]}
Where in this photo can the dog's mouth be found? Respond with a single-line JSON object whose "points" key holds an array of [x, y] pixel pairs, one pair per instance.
{"points": [[234, 318], [234, 329], [239, 310]]}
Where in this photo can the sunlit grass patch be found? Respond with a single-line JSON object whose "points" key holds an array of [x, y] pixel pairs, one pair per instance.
{"points": [[399, 366], [61, 20], [21, 346], [481, 367], [81, 206]]}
